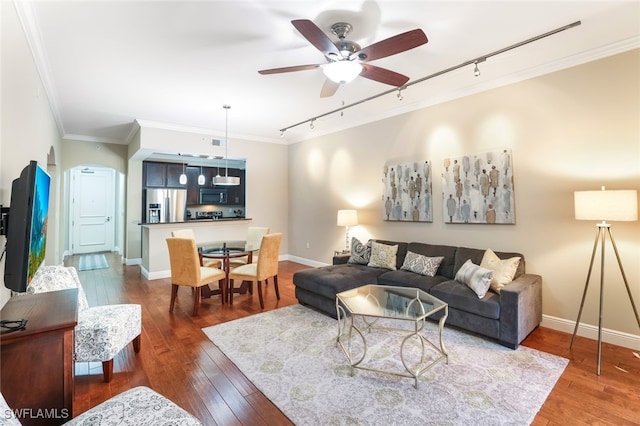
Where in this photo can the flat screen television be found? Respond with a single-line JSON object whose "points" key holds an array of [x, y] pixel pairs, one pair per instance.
{"points": [[26, 226]]}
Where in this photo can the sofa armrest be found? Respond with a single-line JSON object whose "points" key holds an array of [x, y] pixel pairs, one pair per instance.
{"points": [[341, 259], [520, 309]]}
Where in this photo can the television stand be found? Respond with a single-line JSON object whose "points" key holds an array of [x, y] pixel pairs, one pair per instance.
{"points": [[36, 363]]}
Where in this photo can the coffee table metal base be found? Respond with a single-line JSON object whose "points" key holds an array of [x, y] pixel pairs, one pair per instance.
{"points": [[422, 367]]}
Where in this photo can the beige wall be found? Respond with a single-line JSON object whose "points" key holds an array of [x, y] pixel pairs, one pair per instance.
{"points": [[571, 130], [80, 153], [28, 128]]}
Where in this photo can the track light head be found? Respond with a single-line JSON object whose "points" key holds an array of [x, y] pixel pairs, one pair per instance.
{"points": [[476, 70]]}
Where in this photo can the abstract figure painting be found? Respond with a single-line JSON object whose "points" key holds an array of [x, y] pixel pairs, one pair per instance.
{"points": [[406, 192], [479, 188]]}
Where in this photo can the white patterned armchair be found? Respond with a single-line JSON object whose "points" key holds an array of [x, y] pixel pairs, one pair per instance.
{"points": [[102, 331], [140, 406]]}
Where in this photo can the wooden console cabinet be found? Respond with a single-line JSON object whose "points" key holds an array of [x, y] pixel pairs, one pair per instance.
{"points": [[36, 364]]}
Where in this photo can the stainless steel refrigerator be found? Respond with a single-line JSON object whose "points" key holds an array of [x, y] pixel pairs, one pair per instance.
{"points": [[165, 205]]}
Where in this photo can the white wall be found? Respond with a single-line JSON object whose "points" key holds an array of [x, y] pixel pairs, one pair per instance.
{"points": [[571, 130], [28, 129]]}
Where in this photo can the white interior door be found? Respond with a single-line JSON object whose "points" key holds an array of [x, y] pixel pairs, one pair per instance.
{"points": [[93, 206]]}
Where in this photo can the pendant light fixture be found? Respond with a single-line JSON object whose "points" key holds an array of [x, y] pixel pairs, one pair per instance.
{"points": [[183, 176], [201, 177], [226, 180]]}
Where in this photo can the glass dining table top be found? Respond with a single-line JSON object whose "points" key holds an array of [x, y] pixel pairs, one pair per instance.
{"points": [[227, 247]]}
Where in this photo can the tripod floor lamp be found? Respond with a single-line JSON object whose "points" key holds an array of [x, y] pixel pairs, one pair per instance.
{"points": [[617, 205]]}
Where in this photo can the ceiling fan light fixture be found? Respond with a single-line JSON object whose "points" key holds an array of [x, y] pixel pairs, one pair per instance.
{"points": [[342, 72]]}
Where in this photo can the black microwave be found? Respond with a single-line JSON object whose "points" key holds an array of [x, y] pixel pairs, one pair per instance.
{"points": [[213, 196]]}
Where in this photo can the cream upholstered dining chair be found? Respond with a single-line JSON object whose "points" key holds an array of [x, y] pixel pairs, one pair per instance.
{"points": [[254, 238], [186, 270], [266, 267], [102, 331], [188, 233]]}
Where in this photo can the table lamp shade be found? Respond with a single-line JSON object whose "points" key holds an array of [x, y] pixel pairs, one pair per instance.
{"points": [[347, 217], [615, 205]]}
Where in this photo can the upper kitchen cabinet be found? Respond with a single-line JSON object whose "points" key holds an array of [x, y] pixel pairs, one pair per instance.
{"points": [[235, 194], [162, 175], [154, 175]]}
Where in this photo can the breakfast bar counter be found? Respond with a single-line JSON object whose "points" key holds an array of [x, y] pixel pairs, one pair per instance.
{"points": [[155, 255]]}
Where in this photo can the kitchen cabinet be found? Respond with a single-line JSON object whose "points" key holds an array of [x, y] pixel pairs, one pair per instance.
{"points": [[162, 175], [154, 174], [173, 175], [193, 189], [235, 194]]}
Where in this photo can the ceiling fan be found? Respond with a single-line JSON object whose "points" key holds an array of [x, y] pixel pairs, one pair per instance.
{"points": [[346, 59]]}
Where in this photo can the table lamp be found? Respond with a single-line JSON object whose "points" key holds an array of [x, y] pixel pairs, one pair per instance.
{"points": [[347, 218], [604, 205]]}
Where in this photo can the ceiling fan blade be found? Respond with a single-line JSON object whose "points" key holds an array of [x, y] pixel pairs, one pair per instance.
{"points": [[316, 36], [383, 75], [288, 69], [392, 45], [329, 88]]}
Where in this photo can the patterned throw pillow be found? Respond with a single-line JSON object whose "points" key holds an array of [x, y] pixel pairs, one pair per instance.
{"points": [[383, 256], [360, 253], [476, 278], [420, 264], [503, 270]]}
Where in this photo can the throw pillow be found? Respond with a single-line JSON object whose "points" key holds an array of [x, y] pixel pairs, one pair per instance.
{"points": [[503, 269], [360, 253], [383, 256], [475, 277], [420, 264]]}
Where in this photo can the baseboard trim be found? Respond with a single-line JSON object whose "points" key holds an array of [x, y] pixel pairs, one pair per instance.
{"points": [[133, 261], [307, 262], [589, 331]]}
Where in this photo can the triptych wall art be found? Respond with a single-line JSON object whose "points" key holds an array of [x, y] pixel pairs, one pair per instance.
{"points": [[476, 188], [406, 192]]}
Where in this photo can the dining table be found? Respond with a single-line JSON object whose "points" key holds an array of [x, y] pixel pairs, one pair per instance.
{"points": [[226, 250]]}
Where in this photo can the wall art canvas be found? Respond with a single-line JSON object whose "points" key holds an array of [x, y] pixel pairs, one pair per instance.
{"points": [[406, 192], [478, 188]]}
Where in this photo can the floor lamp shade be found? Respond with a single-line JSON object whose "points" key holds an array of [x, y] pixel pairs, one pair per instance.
{"points": [[615, 205], [347, 218]]}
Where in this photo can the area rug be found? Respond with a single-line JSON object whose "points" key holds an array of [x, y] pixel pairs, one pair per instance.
{"points": [[90, 262], [290, 354]]}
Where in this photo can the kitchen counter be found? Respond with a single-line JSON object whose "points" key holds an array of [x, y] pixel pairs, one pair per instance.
{"points": [[155, 255], [190, 221]]}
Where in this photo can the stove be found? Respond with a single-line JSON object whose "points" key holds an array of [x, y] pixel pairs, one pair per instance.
{"points": [[209, 215]]}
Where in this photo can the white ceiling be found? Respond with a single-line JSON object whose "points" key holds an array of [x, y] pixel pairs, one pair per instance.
{"points": [[106, 64]]}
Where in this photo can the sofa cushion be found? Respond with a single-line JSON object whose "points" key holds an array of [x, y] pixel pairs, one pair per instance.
{"points": [[461, 297], [403, 278], [423, 265], [360, 253], [383, 256], [432, 250], [503, 269], [332, 279], [402, 250], [475, 277], [476, 255]]}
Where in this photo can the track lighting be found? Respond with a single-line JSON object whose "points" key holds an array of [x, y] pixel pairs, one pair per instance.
{"points": [[282, 133], [312, 125], [476, 70]]}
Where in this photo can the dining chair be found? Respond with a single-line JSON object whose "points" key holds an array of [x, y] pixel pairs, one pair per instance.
{"points": [[186, 270], [188, 233], [265, 268], [254, 238]]}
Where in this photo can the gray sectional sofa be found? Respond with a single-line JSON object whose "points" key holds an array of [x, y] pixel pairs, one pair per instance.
{"points": [[508, 316]]}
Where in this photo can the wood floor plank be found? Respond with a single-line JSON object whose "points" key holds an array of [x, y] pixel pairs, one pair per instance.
{"points": [[179, 361]]}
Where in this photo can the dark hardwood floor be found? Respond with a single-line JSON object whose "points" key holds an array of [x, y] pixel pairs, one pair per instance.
{"points": [[177, 359]]}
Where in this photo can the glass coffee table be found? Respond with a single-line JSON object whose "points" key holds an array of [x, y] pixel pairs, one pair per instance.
{"points": [[373, 302]]}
